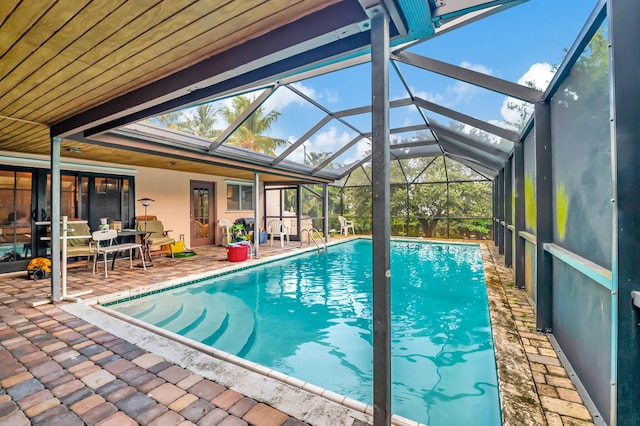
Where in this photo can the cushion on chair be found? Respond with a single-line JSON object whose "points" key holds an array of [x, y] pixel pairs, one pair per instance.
{"points": [[78, 229], [154, 227], [157, 235]]}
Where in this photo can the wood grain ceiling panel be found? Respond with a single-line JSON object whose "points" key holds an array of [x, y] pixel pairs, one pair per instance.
{"points": [[32, 45], [19, 21], [110, 42], [62, 57]]}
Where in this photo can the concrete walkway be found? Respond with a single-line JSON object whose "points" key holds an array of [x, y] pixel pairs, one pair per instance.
{"points": [[59, 369]]}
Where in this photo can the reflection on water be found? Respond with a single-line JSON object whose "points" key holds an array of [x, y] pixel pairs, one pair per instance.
{"points": [[310, 317]]}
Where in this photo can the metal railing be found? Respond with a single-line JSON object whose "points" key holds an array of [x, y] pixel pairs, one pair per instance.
{"points": [[312, 238]]}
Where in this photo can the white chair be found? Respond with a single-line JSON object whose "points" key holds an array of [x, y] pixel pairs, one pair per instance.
{"points": [[225, 225], [277, 227], [345, 225], [97, 247]]}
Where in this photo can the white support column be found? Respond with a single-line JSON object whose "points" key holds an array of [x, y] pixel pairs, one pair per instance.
{"points": [[256, 214], [55, 220]]}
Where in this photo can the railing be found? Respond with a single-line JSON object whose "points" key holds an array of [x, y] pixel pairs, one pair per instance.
{"points": [[312, 238]]}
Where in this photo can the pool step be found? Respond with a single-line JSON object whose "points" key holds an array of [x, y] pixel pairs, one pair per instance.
{"points": [[214, 318], [165, 309], [193, 312], [219, 320], [240, 326], [134, 307]]}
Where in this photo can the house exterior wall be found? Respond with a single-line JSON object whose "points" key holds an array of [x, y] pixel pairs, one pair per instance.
{"points": [[171, 191]]}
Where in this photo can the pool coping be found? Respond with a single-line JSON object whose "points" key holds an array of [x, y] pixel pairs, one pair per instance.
{"points": [[242, 375]]}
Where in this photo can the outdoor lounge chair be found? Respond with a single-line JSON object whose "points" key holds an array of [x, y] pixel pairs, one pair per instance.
{"points": [[157, 236], [277, 228], [345, 225], [80, 245]]}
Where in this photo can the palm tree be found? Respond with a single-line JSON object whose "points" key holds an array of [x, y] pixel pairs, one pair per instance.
{"points": [[250, 135], [202, 122], [170, 120]]}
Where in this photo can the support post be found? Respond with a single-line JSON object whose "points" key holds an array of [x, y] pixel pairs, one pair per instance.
{"points": [[508, 214], [501, 212], [544, 217], [519, 222], [381, 231], [495, 224], [56, 273], [256, 214], [325, 212], [624, 34]]}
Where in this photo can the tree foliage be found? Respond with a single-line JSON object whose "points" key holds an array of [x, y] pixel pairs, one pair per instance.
{"points": [[251, 134], [418, 208], [201, 121]]}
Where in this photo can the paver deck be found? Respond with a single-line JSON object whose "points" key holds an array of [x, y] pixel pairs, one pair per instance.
{"points": [[58, 369]]}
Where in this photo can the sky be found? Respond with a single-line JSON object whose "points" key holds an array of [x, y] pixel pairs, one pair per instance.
{"points": [[523, 43]]}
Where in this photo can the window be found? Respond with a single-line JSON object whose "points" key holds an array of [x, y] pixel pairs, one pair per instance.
{"points": [[239, 196]]}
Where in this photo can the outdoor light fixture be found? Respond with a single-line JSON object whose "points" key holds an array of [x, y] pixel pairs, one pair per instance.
{"points": [[146, 202]]}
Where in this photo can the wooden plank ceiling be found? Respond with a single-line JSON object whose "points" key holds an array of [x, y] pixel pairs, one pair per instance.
{"points": [[59, 58]]}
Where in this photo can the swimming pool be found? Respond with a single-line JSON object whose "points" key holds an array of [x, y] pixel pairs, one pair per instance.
{"points": [[310, 317]]}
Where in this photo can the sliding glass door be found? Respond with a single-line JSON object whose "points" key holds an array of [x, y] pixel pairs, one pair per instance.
{"points": [[16, 233], [25, 200]]}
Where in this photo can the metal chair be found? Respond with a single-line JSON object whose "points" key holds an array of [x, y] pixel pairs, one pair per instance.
{"points": [[97, 247]]}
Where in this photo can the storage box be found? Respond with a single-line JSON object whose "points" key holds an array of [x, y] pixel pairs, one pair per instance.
{"points": [[237, 253], [262, 236]]}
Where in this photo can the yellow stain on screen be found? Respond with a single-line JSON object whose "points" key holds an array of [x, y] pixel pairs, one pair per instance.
{"points": [[562, 210], [529, 203]]}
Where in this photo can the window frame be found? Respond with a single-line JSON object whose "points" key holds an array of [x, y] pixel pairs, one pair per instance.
{"points": [[240, 188]]}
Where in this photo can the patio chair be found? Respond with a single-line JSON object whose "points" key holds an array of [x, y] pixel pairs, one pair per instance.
{"points": [[80, 246], [226, 231], [157, 236], [345, 225], [277, 228]]}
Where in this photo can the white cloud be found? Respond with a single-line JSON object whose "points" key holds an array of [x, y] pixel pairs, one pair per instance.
{"points": [[328, 141], [284, 97], [539, 74], [457, 91], [477, 67], [332, 96]]}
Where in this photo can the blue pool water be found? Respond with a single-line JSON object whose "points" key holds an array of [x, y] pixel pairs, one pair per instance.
{"points": [[310, 317]]}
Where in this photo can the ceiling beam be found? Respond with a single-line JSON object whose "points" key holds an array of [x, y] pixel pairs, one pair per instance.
{"points": [[469, 76], [129, 144], [454, 147], [467, 140], [471, 121]]}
